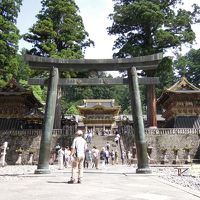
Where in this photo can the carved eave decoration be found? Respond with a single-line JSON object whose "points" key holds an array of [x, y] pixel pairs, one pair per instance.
{"points": [[99, 106], [34, 114], [100, 110]]}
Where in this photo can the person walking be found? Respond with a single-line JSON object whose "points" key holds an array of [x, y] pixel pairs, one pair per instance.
{"points": [[129, 157], [67, 157], [78, 148], [95, 157], [112, 155], [61, 153], [88, 158], [107, 156], [103, 157]]}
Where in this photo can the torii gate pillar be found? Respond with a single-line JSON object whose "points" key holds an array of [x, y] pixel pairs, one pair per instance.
{"points": [[141, 146], [43, 164]]}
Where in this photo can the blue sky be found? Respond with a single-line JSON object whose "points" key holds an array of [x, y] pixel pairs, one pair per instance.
{"points": [[95, 17]]}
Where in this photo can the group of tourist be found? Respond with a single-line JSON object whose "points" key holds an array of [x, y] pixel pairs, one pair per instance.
{"points": [[62, 156], [88, 135], [80, 156], [104, 156]]}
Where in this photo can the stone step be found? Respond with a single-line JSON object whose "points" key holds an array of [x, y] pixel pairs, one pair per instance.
{"points": [[100, 141]]}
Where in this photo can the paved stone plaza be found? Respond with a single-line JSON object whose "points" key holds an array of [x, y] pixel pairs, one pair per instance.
{"points": [[112, 183]]}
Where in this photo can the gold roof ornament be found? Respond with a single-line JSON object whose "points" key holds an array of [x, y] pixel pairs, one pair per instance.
{"points": [[183, 85]]}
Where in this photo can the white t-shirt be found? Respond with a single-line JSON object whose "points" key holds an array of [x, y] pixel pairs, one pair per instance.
{"points": [[79, 145], [95, 152]]}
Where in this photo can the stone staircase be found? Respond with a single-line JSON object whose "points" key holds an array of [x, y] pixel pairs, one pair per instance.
{"points": [[100, 141]]}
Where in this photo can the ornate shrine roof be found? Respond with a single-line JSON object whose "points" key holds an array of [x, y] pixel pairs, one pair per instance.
{"points": [[99, 106], [183, 86], [13, 88]]}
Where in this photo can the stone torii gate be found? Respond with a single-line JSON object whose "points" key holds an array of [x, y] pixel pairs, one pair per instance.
{"points": [[147, 63]]}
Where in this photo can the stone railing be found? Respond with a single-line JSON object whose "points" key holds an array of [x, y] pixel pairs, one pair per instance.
{"points": [[34, 132], [172, 131], [162, 131], [148, 131]]}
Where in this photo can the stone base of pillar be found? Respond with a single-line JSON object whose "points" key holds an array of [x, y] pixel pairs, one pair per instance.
{"points": [[143, 171], [42, 171]]}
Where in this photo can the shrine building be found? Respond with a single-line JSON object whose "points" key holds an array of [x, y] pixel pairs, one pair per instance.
{"points": [[99, 114], [19, 108], [181, 105]]}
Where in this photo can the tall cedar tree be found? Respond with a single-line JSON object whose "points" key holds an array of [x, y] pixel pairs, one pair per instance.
{"points": [[9, 37], [146, 27], [59, 31]]}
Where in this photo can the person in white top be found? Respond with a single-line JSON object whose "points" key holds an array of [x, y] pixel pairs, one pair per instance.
{"points": [[129, 156], [67, 160], [78, 149], [61, 153], [95, 156]]}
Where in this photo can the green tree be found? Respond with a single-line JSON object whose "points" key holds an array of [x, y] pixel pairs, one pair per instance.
{"points": [[59, 31], [72, 110], [24, 71], [9, 37], [39, 93], [166, 75], [145, 27], [189, 66]]}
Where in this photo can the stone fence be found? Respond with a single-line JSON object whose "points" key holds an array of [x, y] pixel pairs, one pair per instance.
{"points": [[171, 131], [33, 132], [28, 141], [157, 140], [165, 143]]}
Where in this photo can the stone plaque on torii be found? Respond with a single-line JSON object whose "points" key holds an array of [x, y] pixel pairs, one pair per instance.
{"points": [[146, 63]]}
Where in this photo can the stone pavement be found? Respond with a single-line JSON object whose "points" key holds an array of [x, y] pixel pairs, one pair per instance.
{"points": [[111, 183]]}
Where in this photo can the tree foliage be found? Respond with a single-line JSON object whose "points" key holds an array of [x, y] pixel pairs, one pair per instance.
{"points": [[166, 74], [39, 93], [24, 71], [9, 37], [75, 94], [189, 66], [59, 31], [146, 27]]}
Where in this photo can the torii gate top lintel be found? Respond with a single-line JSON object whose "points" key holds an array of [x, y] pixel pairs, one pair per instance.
{"points": [[149, 62]]}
